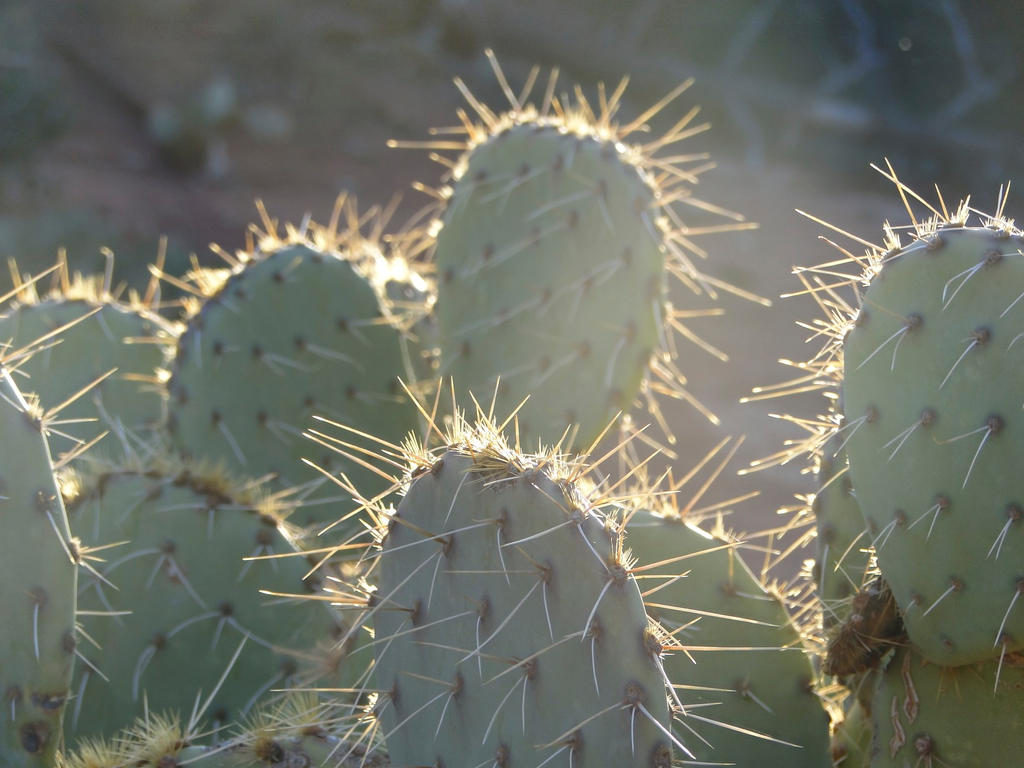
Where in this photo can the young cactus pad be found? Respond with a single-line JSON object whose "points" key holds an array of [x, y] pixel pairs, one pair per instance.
{"points": [[746, 683], [192, 600], [552, 256], [935, 432], [110, 347], [298, 329], [508, 627], [37, 592]]}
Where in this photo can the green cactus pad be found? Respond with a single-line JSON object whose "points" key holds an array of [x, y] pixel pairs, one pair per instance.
{"points": [[192, 599], [296, 330], [101, 334], [558, 232], [37, 592], [508, 630], [970, 716], [935, 435], [844, 547], [741, 670], [543, 295]]}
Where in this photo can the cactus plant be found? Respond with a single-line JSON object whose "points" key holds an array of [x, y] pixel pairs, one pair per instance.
{"points": [[495, 616]]}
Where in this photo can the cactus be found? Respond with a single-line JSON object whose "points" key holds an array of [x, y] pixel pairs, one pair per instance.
{"points": [[108, 353], [508, 627], [739, 659], [37, 593], [191, 600], [495, 617], [935, 431], [552, 258], [339, 355]]}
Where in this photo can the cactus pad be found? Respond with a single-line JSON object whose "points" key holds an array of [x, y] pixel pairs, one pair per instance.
{"points": [[193, 600], [101, 334], [297, 329], [508, 629], [739, 660], [553, 253], [935, 434]]}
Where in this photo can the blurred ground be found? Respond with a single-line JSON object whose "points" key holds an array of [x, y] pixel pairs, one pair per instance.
{"points": [[121, 121]]}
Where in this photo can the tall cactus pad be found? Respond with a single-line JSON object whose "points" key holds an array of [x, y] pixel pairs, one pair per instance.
{"points": [[293, 333], [969, 716], [552, 255], [740, 664], [101, 334], [550, 272], [933, 402], [192, 599], [843, 543], [37, 592], [507, 627]]}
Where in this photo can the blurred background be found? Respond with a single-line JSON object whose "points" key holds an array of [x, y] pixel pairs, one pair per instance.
{"points": [[123, 121]]}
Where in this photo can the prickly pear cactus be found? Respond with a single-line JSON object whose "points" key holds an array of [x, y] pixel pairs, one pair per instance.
{"points": [[508, 628], [188, 609], [109, 346], [552, 257], [969, 716], [737, 659], [301, 327], [37, 592], [935, 432]]}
